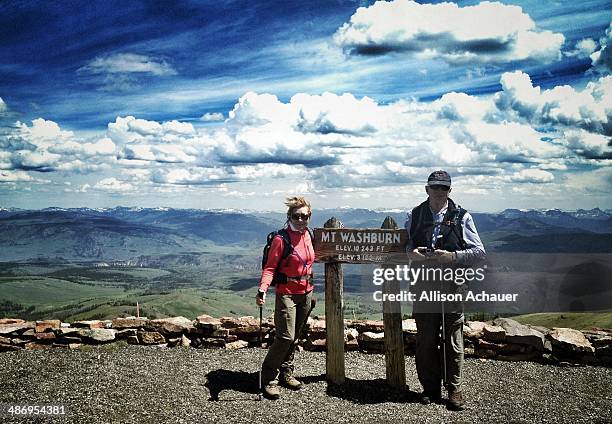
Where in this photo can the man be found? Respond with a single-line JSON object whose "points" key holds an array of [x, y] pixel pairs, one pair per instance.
{"points": [[442, 235]]}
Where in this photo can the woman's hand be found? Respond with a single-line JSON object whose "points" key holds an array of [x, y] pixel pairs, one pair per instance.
{"points": [[260, 298]]}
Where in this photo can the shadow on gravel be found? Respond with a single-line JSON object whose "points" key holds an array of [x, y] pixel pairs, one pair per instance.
{"points": [[243, 382], [238, 381], [370, 391]]}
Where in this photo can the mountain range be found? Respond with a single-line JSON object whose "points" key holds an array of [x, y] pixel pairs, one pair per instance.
{"points": [[123, 233]]}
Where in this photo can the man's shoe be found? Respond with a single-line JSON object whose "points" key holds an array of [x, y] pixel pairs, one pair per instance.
{"points": [[455, 401], [431, 397], [289, 381], [271, 390]]}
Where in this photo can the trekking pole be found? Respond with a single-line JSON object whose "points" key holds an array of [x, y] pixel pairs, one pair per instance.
{"points": [[443, 342], [260, 391]]}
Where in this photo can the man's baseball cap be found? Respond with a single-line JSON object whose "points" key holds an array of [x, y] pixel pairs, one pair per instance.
{"points": [[438, 178]]}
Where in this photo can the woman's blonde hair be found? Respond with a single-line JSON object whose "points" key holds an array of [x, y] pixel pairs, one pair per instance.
{"points": [[296, 202]]}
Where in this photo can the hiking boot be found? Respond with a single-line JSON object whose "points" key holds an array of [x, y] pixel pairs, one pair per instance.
{"points": [[271, 390], [431, 397], [289, 381], [455, 401]]}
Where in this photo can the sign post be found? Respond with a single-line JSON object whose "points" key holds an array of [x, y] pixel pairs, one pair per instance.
{"points": [[335, 245], [334, 316]]}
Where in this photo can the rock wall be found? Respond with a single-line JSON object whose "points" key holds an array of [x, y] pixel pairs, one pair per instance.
{"points": [[502, 339]]}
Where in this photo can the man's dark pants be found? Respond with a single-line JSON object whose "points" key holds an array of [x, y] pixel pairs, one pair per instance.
{"points": [[429, 351]]}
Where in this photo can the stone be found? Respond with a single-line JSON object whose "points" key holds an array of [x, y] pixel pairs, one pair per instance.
{"points": [[6, 347], [129, 322], [516, 357], [350, 345], [45, 337], [209, 342], [174, 325], [207, 322], [503, 348], [65, 331], [469, 351], [5, 321], [486, 353], [29, 333], [17, 327], [317, 328], [68, 340], [493, 333], [185, 341], [5, 340], [369, 340], [521, 334], [174, 342], [221, 332], [241, 326], [319, 345], [369, 336], [484, 344], [239, 344], [74, 345], [568, 340], [369, 326], [98, 335], [150, 338], [92, 324], [49, 324], [409, 326], [601, 341], [539, 328], [35, 346], [473, 329], [350, 334], [124, 334]]}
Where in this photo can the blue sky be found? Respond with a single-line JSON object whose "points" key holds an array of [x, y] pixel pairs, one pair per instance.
{"points": [[241, 103]]}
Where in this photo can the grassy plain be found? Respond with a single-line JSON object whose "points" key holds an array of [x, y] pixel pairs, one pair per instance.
{"points": [[222, 283]]}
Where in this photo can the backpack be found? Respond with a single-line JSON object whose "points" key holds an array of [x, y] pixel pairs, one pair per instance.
{"points": [[279, 277]]}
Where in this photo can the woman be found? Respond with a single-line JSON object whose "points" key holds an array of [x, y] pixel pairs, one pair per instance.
{"points": [[292, 297]]}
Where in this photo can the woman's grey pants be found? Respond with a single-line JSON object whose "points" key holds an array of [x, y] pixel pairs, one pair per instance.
{"points": [[290, 313]]}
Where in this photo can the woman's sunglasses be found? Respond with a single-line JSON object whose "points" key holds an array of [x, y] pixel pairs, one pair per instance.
{"points": [[439, 187], [300, 216]]}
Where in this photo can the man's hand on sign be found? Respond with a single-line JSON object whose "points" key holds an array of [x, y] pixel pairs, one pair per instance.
{"points": [[260, 298], [417, 254], [443, 256]]}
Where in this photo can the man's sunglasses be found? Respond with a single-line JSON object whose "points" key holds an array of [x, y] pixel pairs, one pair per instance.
{"points": [[302, 216], [439, 187]]}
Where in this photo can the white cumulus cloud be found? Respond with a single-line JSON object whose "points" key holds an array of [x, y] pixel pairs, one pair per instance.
{"points": [[212, 117], [488, 32], [590, 108], [602, 58], [536, 176], [114, 185]]}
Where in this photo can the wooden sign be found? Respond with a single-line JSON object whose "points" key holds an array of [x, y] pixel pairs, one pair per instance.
{"points": [[358, 245]]}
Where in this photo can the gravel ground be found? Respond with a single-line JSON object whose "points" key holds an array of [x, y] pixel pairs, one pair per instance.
{"points": [[134, 384]]}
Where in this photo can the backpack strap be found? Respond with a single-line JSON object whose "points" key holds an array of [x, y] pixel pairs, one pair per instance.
{"points": [[287, 246], [456, 223]]}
